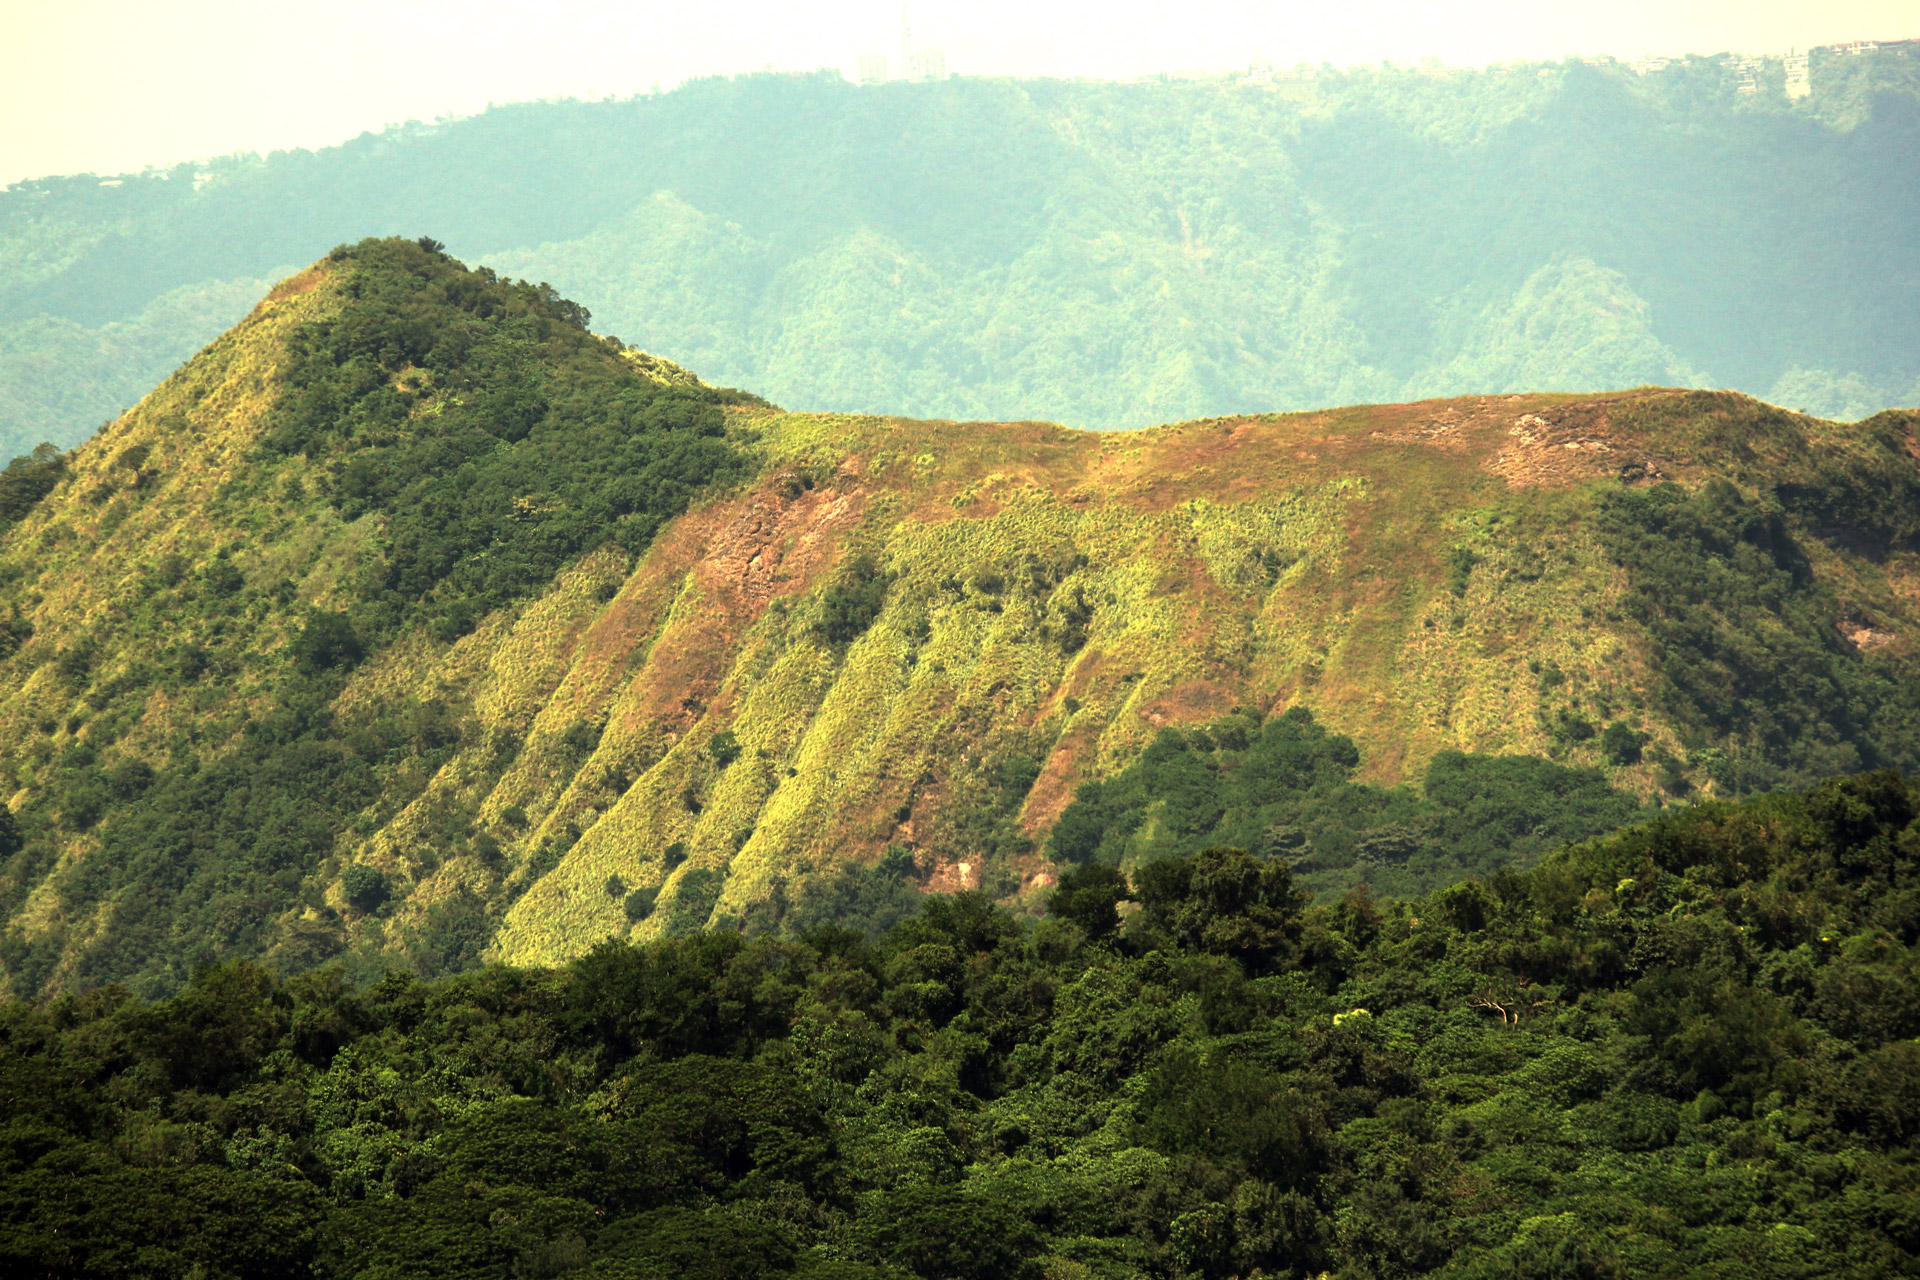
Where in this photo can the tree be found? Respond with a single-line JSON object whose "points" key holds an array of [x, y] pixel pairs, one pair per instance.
{"points": [[1222, 901], [1090, 896]]}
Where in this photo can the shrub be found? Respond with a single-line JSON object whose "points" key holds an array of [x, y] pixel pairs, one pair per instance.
{"points": [[365, 888], [326, 641], [723, 748], [853, 601], [1621, 744]]}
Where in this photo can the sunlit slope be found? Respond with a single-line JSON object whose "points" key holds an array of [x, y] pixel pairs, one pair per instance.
{"points": [[1424, 577], [864, 633]]}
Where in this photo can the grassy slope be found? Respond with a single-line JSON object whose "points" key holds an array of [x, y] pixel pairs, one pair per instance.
{"points": [[1253, 561], [1262, 561]]}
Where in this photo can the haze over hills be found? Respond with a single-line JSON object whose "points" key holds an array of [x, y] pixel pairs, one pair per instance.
{"points": [[411, 622], [1109, 255]]}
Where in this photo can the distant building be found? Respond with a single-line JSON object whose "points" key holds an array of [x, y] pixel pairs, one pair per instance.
{"points": [[1799, 82], [873, 68], [926, 64], [1649, 65]]}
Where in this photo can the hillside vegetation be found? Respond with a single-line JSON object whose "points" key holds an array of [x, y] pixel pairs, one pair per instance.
{"points": [[1684, 1051], [411, 624], [1108, 255]]}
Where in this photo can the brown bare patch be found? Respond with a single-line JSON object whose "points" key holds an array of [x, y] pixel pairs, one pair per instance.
{"points": [[741, 555], [295, 285], [1437, 428], [1188, 702], [954, 877], [1063, 772], [1558, 448], [1867, 637]]}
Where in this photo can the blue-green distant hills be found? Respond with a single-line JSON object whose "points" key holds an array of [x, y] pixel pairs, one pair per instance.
{"points": [[1098, 253]]}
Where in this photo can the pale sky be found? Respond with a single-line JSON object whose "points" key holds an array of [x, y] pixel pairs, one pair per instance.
{"points": [[112, 86]]}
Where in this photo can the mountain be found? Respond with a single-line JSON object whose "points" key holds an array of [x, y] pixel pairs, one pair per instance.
{"points": [[1109, 255], [411, 623]]}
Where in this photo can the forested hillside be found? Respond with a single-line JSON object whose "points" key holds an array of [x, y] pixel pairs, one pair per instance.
{"points": [[1107, 255], [1683, 1051], [412, 624]]}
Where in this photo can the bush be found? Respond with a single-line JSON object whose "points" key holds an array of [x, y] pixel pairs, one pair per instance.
{"points": [[723, 748], [1621, 744], [326, 641], [365, 888], [852, 601]]}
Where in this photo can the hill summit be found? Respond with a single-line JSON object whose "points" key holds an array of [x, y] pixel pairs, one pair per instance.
{"points": [[412, 622]]}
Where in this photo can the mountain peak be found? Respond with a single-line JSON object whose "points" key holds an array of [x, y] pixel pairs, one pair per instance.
{"points": [[411, 622]]}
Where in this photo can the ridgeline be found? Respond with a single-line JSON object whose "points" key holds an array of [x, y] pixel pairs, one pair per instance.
{"points": [[413, 624], [1107, 255]]}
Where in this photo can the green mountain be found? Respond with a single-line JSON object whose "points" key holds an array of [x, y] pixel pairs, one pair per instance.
{"points": [[413, 624], [1108, 255]]}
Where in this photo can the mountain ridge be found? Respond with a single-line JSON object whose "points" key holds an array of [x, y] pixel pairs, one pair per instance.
{"points": [[858, 635], [1124, 255]]}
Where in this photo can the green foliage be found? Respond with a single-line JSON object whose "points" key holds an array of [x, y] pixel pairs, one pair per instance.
{"points": [[1749, 653], [365, 888], [868, 900], [28, 479], [327, 640], [1284, 789], [1621, 743], [1221, 902], [495, 435], [1684, 1049], [1090, 896], [852, 601], [723, 748]]}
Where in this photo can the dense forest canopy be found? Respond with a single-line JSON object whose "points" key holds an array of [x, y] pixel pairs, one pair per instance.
{"points": [[1096, 253], [1683, 1050]]}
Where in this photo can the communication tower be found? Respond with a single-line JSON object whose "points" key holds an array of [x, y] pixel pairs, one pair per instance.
{"points": [[918, 64]]}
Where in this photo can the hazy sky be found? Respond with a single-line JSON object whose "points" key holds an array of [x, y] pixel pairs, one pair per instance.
{"points": [[116, 85]]}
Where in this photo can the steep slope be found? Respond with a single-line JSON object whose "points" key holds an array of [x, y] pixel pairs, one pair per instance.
{"points": [[1110, 255], [357, 639], [390, 448]]}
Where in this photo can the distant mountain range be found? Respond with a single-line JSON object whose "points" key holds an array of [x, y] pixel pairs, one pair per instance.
{"points": [[1100, 254]]}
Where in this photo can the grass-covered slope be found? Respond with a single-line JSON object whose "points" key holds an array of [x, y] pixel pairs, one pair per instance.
{"points": [[388, 450], [1453, 576], [374, 633], [1111, 255], [1684, 1051]]}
